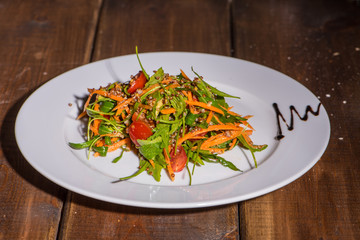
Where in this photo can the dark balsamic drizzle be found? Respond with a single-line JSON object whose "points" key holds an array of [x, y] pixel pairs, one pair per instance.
{"points": [[292, 110]]}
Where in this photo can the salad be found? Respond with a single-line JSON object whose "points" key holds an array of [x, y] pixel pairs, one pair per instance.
{"points": [[168, 120]]}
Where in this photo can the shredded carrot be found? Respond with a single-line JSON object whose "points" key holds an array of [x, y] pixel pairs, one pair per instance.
{"points": [[210, 116], [251, 144], [113, 135], [118, 144], [85, 105], [169, 168], [191, 135], [184, 75], [94, 127], [185, 94], [167, 80], [100, 143], [218, 120], [120, 106], [224, 137], [142, 106], [174, 85], [206, 106], [233, 143], [149, 89], [152, 163], [168, 110]]}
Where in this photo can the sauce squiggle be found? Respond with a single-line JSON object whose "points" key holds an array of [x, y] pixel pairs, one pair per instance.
{"points": [[290, 126]]}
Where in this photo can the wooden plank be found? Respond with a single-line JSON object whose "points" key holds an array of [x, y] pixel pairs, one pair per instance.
{"points": [[38, 40], [155, 26], [316, 43]]}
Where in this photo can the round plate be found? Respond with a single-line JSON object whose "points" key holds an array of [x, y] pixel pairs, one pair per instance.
{"points": [[46, 123]]}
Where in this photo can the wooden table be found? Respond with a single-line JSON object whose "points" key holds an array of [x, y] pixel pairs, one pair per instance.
{"points": [[315, 42]]}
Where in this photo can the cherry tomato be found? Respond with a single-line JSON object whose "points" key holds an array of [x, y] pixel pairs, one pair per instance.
{"points": [[178, 160], [139, 130], [137, 83]]}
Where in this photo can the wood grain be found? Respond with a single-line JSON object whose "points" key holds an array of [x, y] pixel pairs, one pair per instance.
{"points": [[317, 44], [155, 26], [38, 40]]}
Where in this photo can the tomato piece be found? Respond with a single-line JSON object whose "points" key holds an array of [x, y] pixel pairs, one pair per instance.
{"points": [[137, 83], [178, 159], [139, 130]]}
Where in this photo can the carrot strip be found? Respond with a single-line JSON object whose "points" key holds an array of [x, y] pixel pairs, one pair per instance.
{"points": [[184, 75], [142, 106], [185, 94], [168, 110], [218, 120], [114, 135], [206, 106], [210, 116], [120, 106], [94, 127], [86, 105], [118, 144], [190, 135], [149, 89], [221, 139], [102, 93], [233, 143], [169, 168], [100, 143], [174, 85], [152, 163]]}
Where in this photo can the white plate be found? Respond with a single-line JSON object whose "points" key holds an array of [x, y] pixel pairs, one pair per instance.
{"points": [[46, 123]]}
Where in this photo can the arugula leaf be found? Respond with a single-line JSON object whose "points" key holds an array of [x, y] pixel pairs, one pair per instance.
{"points": [[213, 158], [84, 144], [150, 148], [157, 77], [101, 150]]}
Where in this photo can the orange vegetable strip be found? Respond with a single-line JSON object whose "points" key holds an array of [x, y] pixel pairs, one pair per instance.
{"points": [[152, 163], [112, 135], [94, 127], [190, 135], [223, 138], [118, 144], [148, 89], [100, 143], [210, 116], [106, 94], [121, 106], [167, 80], [251, 144], [185, 94], [184, 75], [168, 110], [218, 120], [115, 146], [142, 106], [169, 168], [174, 85], [191, 107], [204, 105], [81, 115], [247, 125], [85, 106], [100, 92], [216, 150], [233, 143]]}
